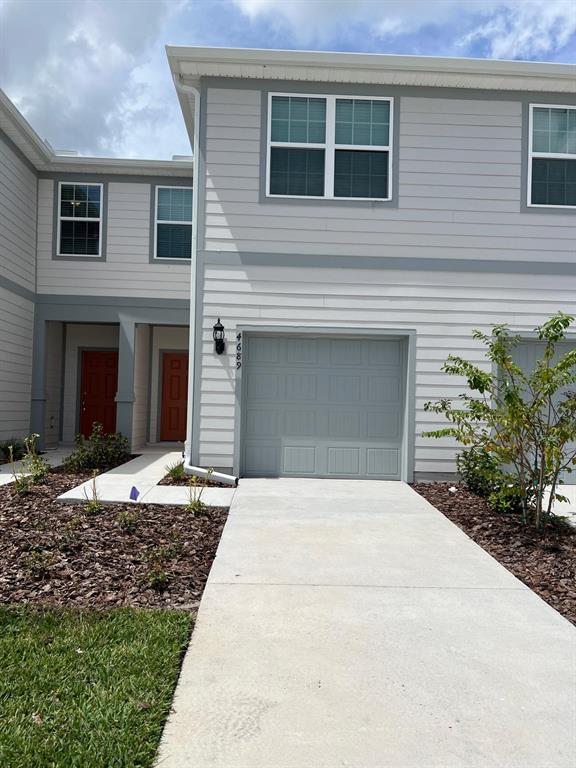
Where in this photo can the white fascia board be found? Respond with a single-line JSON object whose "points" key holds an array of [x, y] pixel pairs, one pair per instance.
{"points": [[118, 165], [313, 66]]}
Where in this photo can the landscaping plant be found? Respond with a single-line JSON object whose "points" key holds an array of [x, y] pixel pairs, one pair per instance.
{"points": [[524, 421], [99, 451], [176, 471], [11, 450], [34, 468], [195, 490]]}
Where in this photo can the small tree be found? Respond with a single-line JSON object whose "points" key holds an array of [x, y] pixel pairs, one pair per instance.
{"points": [[526, 420]]}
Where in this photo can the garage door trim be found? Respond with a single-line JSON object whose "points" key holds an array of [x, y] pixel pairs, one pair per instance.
{"points": [[245, 332]]}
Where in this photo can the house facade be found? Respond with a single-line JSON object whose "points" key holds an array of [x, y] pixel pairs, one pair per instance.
{"points": [[94, 291], [358, 216], [350, 220]]}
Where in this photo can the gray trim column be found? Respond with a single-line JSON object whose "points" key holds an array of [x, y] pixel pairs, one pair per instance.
{"points": [[125, 392], [38, 397]]}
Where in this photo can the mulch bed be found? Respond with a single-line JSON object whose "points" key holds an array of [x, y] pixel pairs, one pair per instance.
{"points": [[185, 482], [55, 553], [544, 560]]}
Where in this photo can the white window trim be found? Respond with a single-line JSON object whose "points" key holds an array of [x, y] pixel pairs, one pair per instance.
{"points": [[545, 155], [80, 218], [166, 221], [330, 146]]}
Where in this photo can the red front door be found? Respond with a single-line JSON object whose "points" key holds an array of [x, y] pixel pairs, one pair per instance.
{"points": [[98, 389], [174, 396]]}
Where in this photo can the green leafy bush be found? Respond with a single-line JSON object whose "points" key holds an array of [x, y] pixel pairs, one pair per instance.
{"points": [[99, 451], [479, 471], [507, 498], [525, 420]]}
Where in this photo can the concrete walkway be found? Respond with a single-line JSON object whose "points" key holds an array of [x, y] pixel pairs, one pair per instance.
{"points": [[348, 624], [144, 473]]}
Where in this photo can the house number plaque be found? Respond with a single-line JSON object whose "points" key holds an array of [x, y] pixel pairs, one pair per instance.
{"points": [[238, 350]]}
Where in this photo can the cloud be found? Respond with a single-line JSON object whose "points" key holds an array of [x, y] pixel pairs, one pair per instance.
{"points": [[91, 74], [500, 28]]}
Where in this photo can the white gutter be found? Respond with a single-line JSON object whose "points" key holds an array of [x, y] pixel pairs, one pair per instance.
{"points": [[191, 91]]}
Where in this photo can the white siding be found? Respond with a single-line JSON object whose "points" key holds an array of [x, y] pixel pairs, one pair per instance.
{"points": [[459, 190], [141, 386], [174, 337], [127, 270], [442, 307], [17, 218], [16, 329], [79, 337]]}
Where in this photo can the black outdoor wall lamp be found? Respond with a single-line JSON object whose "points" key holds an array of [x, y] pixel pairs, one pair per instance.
{"points": [[218, 335]]}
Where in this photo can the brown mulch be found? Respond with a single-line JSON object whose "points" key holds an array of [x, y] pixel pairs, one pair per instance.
{"points": [[185, 482], [544, 560], [58, 554]]}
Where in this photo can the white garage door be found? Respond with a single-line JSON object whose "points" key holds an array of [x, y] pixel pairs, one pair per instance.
{"points": [[322, 406]]}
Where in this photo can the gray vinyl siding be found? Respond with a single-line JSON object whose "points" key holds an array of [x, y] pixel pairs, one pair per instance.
{"points": [[460, 189], [16, 329], [17, 218], [441, 307], [127, 270]]}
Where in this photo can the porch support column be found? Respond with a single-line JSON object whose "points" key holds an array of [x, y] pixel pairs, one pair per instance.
{"points": [[125, 392], [38, 396]]}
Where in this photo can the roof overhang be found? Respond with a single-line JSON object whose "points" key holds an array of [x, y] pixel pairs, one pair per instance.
{"points": [[44, 159], [189, 63]]}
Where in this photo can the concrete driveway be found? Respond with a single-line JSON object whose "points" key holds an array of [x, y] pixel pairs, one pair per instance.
{"points": [[349, 624]]}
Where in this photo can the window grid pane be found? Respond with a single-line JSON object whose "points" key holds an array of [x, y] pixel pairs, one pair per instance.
{"points": [[297, 172], [174, 204], [79, 238], [80, 201], [553, 181], [298, 119], [554, 130], [174, 241], [358, 173], [362, 121]]}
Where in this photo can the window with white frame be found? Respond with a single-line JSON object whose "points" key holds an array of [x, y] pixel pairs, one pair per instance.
{"points": [[79, 219], [331, 147], [552, 156], [173, 224]]}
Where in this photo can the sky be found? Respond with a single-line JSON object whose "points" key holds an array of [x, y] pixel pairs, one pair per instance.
{"points": [[92, 75]]}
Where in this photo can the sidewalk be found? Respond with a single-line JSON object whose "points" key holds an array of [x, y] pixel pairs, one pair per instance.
{"points": [[350, 624]]}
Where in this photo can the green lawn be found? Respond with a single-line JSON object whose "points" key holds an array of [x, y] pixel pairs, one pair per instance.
{"points": [[86, 689]]}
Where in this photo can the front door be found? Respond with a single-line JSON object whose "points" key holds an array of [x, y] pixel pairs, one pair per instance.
{"points": [[99, 383], [174, 396]]}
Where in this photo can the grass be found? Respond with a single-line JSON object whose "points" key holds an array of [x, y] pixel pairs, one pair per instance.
{"points": [[86, 689]]}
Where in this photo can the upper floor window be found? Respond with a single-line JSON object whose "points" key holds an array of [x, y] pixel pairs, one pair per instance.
{"points": [[79, 219], [173, 224], [552, 158], [329, 147]]}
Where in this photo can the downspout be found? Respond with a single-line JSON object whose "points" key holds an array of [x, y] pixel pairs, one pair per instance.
{"points": [[190, 469]]}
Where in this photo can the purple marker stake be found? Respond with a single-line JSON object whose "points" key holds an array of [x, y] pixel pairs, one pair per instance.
{"points": [[134, 493]]}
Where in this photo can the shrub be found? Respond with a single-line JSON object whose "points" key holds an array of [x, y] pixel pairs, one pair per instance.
{"points": [[196, 487], [525, 420], [127, 520], [34, 465], [479, 471], [99, 451], [507, 498]]}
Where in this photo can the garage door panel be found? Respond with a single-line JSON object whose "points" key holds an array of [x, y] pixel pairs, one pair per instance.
{"points": [[302, 351], [344, 389], [299, 460], [382, 461], [384, 425], [384, 389], [307, 413], [263, 350], [384, 353], [301, 387], [345, 352]]}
